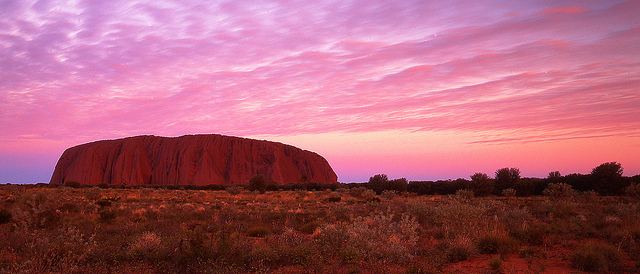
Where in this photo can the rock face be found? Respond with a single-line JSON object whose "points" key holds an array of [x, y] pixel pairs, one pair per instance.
{"points": [[188, 160]]}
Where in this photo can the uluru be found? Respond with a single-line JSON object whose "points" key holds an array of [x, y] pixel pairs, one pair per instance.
{"points": [[189, 160]]}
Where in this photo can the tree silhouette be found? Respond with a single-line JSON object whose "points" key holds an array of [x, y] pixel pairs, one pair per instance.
{"points": [[378, 183], [527, 186], [481, 184], [258, 182], [399, 185], [506, 178], [607, 178], [554, 175], [579, 182]]}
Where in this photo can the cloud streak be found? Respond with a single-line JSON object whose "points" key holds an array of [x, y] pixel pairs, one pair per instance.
{"points": [[77, 71]]}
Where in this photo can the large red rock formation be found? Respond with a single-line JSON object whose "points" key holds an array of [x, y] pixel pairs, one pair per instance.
{"points": [[188, 160]]}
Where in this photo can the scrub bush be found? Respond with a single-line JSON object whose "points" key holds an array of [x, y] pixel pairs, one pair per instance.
{"points": [[496, 244], [72, 184], [596, 257], [459, 250], [5, 216], [558, 191], [258, 231], [234, 190]]}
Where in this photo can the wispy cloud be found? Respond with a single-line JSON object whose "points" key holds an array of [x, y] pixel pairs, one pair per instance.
{"points": [[86, 70]]}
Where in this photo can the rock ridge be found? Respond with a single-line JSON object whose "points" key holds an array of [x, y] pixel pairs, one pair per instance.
{"points": [[188, 160]]}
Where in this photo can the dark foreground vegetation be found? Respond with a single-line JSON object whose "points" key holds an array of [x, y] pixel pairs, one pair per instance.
{"points": [[333, 229]]}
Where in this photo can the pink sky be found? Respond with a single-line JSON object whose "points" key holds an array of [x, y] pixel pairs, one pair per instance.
{"points": [[425, 90]]}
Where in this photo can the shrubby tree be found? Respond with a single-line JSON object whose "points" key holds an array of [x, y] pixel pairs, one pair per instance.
{"points": [[258, 182], [607, 178], [378, 182], [398, 185], [529, 186], [446, 187], [442, 187], [461, 183], [506, 178], [5, 216], [272, 186], [420, 187], [481, 184], [463, 195], [554, 175], [381, 182], [73, 184], [558, 190], [378, 179], [636, 179], [579, 182], [509, 192], [633, 188], [234, 190]]}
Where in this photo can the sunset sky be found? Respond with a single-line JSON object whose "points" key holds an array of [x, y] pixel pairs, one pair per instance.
{"points": [[424, 90]]}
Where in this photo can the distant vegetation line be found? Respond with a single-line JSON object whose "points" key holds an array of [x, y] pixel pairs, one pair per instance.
{"points": [[605, 179]]}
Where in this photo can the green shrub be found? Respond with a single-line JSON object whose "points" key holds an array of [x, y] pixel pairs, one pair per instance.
{"points": [[533, 235], [373, 202], [266, 256], [38, 210], [375, 238], [5, 216], [64, 251], [72, 184], [527, 252], [258, 231], [349, 255], [369, 195], [306, 255], [357, 191], [258, 183], [333, 237], [106, 215], [509, 192], [234, 190], [69, 207], [464, 195], [558, 190], [596, 257], [103, 202], [420, 210], [147, 246], [457, 253], [496, 244], [457, 219], [422, 268], [389, 194], [310, 227], [93, 193], [496, 264], [333, 199], [458, 250], [516, 218], [561, 209]]}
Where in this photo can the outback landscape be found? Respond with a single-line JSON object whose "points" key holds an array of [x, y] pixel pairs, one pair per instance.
{"points": [[350, 136], [382, 226]]}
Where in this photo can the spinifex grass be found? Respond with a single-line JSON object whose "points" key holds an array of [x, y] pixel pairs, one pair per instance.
{"points": [[154, 230]]}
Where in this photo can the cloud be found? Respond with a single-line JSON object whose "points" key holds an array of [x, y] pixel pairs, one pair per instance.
{"points": [[122, 68], [565, 10]]}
